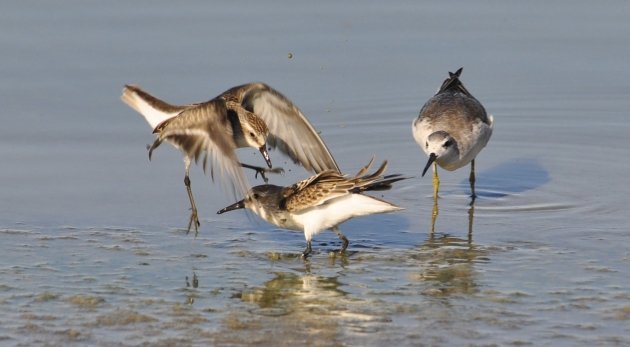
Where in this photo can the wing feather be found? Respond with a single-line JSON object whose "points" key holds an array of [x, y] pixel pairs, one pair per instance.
{"points": [[290, 131], [329, 185], [203, 131]]}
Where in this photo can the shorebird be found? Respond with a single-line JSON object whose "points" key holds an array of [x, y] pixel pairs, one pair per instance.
{"points": [[249, 115], [452, 128], [320, 202]]}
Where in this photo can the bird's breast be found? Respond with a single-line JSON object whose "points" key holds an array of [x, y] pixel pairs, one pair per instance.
{"points": [[280, 218]]}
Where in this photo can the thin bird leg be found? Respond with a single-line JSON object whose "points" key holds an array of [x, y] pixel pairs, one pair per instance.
{"points": [[342, 237], [263, 170], [434, 214], [436, 181], [194, 220], [308, 250], [472, 181]]}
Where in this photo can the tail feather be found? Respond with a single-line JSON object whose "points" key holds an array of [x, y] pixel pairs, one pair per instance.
{"points": [[375, 181], [385, 183], [154, 110], [371, 205], [453, 83]]}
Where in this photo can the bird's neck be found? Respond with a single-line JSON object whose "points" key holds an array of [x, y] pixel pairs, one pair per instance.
{"points": [[236, 130]]}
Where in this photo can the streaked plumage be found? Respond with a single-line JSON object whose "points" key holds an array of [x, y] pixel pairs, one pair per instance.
{"points": [[250, 115], [320, 202], [452, 128], [289, 129]]}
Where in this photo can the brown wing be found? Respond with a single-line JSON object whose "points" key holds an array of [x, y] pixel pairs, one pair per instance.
{"points": [[204, 131], [316, 190], [289, 130], [329, 185]]}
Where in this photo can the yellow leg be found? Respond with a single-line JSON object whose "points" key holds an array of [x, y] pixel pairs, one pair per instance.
{"points": [[436, 188], [436, 181], [434, 214]]}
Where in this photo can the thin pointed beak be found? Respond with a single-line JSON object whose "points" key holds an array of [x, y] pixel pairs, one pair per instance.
{"points": [[234, 206], [432, 158], [265, 154]]}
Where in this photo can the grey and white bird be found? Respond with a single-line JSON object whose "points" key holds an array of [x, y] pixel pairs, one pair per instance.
{"points": [[250, 115], [320, 202], [452, 128]]}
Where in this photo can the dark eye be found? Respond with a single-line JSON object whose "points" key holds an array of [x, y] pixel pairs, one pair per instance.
{"points": [[256, 196], [252, 134], [426, 144], [447, 143]]}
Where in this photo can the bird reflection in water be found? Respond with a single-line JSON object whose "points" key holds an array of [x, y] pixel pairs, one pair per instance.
{"points": [[435, 211], [446, 262], [289, 291], [293, 307], [192, 294], [195, 281]]}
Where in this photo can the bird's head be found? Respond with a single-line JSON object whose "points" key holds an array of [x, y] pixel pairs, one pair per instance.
{"points": [[255, 133], [260, 199], [441, 147]]}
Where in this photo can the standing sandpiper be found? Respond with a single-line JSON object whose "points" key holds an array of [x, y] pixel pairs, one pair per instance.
{"points": [[250, 115], [320, 202], [452, 128]]}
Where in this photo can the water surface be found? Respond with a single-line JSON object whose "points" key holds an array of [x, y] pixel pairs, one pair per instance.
{"points": [[93, 249]]}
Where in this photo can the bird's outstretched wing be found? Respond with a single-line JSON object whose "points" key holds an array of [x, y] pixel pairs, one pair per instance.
{"points": [[203, 131], [289, 130]]}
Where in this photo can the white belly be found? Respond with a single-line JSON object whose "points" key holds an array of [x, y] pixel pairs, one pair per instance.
{"points": [[339, 210]]}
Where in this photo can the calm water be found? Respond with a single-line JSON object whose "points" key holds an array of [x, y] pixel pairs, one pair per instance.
{"points": [[92, 249]]}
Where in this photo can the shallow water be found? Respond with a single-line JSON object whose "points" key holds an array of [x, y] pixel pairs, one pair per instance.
{"points": [[93, 251]]}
